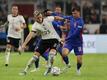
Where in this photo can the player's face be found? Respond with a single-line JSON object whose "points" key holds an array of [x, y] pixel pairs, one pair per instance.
{"points": [[76, 14], [15, 10], [39, 18], [58, 9]]}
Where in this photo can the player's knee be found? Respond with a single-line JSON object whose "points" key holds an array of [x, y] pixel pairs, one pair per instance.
{"points": [[65, 52], [37, 54], [52, 53], [8, 48], [35, 57], [79, 59]]}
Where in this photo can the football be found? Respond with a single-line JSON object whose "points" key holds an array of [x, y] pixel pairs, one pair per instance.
{"points": [[55, 71]]}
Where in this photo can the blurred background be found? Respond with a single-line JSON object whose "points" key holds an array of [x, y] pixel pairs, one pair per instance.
{"points": [[94, 13]]}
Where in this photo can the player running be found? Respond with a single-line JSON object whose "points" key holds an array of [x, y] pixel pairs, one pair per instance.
{"points": [[74, 39], [16, 24]]}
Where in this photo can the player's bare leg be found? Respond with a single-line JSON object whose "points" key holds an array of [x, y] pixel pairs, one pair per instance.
{"points": [[50, 61], [7, 54], [65, 53]]}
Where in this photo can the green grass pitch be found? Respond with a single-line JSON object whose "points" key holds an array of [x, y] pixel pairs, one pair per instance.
{"points": [[94, 68]]}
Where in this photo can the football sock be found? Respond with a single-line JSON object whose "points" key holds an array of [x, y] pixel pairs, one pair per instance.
{"points": [[30, 62], [79, 66], [66, 60], [37, 63], [51, 58], [7, 55]]}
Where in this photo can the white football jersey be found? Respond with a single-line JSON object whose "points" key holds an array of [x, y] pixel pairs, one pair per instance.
{"points": [[14, 23], [47, 28], [37, 27]]}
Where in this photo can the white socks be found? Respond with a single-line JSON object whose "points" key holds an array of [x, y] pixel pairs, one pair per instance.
{"points": [[30, 62], [51, 59], [7, 56]]}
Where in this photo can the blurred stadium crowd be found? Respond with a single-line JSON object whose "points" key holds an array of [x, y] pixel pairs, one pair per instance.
{"points": [[94, 13]]}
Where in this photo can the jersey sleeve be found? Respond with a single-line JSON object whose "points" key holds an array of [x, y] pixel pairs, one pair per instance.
{"points": [[34, 29], [37, 28], [22, 19], [50, 18]]}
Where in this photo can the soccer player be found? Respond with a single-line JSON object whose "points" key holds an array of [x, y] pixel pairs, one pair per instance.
{"points": [[50, 39], [58, 25], [16, 24], [74, 39]]}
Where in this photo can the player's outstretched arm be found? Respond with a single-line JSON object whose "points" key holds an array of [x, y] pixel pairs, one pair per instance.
{"points": [[59, 18], [28, 38]]}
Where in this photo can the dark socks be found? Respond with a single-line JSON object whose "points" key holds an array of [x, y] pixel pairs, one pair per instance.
{"points": [[66, 60], [37, 63], [79, 66]]}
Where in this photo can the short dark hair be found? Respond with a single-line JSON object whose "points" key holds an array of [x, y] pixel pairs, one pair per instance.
{"points": [[14, 5], [76, 9], [58, 6], [46, 10]]}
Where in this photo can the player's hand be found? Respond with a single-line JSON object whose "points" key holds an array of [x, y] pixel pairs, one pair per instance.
{"points": [[62, 40], [21, 48], [22, 26]]}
